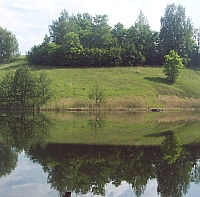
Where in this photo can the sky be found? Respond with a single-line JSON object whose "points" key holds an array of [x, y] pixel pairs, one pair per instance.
{"points": [[28, 20]]}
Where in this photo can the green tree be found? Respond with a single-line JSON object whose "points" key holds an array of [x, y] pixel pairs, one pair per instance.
{"points": [[119, 32], [72, 50], [171, 148], [62, 26], [42, 89], [6, 89], [172, 66], [9, 48], [23, 89], [23, 86], [84, 23], [138, 42], [176, 32], [97, 94]]}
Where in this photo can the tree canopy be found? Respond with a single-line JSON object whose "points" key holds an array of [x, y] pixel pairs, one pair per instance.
{"points": [[24, 90], [9, 47], [172, 66], [84, 40], [176, 31]]}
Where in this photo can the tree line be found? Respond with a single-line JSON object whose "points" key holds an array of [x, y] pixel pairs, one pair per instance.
{"points": [[83, 40]]}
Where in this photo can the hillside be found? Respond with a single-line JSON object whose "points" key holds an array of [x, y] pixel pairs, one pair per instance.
{"points": [[125, 87]]}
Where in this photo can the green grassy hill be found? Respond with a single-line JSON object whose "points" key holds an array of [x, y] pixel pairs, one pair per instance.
{"points": [[128, 87]]}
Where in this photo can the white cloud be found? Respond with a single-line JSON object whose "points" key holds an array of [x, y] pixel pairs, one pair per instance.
{"points": [[28, 179], [34, 5], [29, 20]]}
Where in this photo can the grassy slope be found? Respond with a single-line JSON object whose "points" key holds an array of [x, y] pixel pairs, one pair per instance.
{"points": [[121, 85]]}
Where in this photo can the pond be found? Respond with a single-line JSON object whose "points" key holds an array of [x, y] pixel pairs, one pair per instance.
{"points": [[100, 154]]}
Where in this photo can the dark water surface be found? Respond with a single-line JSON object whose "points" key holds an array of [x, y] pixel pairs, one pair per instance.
{"points": [[31, 164]]}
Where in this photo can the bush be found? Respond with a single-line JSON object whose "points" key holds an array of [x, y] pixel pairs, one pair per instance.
{"points": [[172, 66]]}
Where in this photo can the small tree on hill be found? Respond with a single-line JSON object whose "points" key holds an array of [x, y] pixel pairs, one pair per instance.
{"points": [[172, 66], [97, 94]]}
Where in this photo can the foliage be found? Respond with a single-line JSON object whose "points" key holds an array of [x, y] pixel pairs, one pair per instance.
{"points": [[6, 89], [42, 89], [8, 46], [78, 172], [22, 130], [97, 94], [23, 85], [172, 66], [84, 40], [171, 148], [23, 89], [176, 32]]}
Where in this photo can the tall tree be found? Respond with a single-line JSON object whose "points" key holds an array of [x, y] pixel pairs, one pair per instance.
{"points": [[62, 26], [101, 32], [84, 23], [23, 86], [119, 32], [176, 32], [9, 48], [6, 89]]}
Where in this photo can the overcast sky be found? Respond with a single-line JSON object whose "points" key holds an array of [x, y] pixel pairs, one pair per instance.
{"points": [[28, 20]]}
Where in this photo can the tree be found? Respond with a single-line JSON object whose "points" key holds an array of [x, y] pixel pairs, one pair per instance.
{"points": [[171, 148], [42, 89], [62, 26], [72, 50], [176, 32], [23, 89], [172, 66], [119, 32], [6, 89], [8, 46], [23, 86], [97, 94]]}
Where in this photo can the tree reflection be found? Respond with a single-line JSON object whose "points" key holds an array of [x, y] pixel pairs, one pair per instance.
{"points": [[173, 173], [24, 130], [8, 160], [97, 122], [171, 148], [88, 168]]}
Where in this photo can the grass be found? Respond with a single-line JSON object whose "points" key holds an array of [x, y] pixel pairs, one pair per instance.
{"points": [[125, 87]]}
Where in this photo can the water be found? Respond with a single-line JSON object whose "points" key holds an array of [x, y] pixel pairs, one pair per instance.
{"points": [[31, 166]]}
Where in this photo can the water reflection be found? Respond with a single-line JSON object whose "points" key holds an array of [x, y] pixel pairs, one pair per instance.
{"points": [[8, 160], [83, 169], [88, 168], [24, 130]]}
